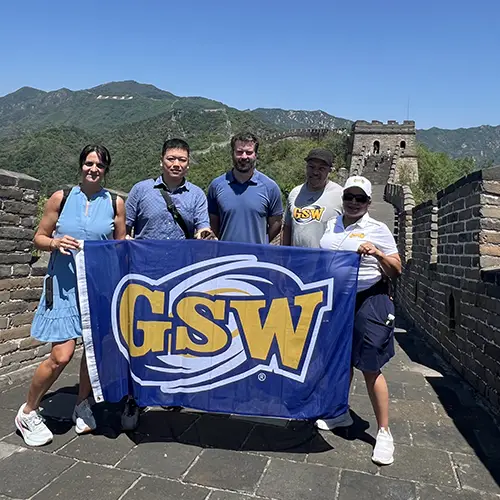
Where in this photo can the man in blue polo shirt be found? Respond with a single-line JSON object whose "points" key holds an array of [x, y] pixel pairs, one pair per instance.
{"points": [[244, 204], [147, 211], [166, 208]]}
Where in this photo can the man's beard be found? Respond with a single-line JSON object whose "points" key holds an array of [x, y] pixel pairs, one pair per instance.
{"points": [[244, 166]]}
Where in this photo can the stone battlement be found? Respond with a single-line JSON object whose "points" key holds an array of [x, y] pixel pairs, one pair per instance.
{"points": [[450, 287], [378, 127]]}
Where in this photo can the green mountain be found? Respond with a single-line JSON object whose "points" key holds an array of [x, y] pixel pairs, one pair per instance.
{"points": [[96, 109], [481, 143], [50, 155], [42, 133], [289, 119], [132, 88], [116, 104]]}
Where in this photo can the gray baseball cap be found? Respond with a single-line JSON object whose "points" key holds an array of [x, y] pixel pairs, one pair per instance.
{"points": [[321, 154]]}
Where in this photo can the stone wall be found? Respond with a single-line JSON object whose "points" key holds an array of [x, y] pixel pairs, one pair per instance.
{"points": [[312, 133], [450, 287], [21, 278]]}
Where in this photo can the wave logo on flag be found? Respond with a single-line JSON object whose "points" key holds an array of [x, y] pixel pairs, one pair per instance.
{"points": [[218, 321]]}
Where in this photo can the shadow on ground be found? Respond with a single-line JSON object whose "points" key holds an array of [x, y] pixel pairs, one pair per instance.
{"points": [[208, 430], [205, 430], [459, 403]]}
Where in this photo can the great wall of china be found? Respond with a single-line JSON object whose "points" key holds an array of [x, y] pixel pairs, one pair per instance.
{"points": [[450, 246]]}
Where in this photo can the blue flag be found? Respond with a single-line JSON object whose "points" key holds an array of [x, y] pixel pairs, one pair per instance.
{"points": [[222, 327]]}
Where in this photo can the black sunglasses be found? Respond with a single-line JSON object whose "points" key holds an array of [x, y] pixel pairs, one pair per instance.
{"points": [[360, 198], [100, 166]]}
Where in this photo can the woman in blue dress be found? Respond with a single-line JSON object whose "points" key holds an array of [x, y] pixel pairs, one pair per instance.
{"points": [[86, 213]]}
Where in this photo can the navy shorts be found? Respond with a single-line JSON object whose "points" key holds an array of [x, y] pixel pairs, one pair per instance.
{"points": [[373, 340]]}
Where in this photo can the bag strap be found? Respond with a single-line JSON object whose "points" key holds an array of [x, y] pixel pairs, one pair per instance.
{"points": [[174, 212], [113, 202], [66, 192]]}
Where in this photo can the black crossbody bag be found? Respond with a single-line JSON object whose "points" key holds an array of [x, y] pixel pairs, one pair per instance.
{"points": [[175, 213]]}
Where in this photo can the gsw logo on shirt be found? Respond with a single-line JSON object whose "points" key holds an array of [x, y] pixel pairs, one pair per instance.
{"points": [[304, 215]]}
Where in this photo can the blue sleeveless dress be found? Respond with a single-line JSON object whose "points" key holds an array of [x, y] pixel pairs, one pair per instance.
{"points": [[84, 219]]}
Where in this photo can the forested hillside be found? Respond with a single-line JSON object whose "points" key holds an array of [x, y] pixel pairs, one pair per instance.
{"points": [[52, 156], [42, 133]]}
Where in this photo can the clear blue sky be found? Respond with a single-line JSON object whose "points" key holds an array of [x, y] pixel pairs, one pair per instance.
{"points": [[358, 59]]}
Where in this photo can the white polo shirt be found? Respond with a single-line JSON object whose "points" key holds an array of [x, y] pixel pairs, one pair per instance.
{"points": [[366, 229]]}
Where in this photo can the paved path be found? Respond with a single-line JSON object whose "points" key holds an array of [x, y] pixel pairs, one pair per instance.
{"points": [[448, 448], [380, 209]]}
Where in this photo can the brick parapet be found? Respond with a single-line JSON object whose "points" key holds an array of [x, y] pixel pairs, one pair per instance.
{"points": [[378, 127], [450, 287], [21, 275]]}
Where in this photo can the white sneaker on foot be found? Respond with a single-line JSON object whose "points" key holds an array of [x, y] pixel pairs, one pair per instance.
{"points": [[32, 428], [329, 424], [130, 415], [383, 453], [84, 418]]}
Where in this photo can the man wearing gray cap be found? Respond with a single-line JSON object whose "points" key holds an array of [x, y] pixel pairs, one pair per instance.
{"points": [[312, 204]]}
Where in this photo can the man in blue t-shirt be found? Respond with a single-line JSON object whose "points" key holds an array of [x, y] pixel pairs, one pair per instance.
{"points": [[244, 204]]}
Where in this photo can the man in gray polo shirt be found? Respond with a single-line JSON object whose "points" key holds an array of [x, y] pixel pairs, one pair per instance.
{"points": [[312, 204], [244, 204]]}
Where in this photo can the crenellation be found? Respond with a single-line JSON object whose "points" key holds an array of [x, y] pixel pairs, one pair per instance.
{"points": [[455, 253], [491, 187], [313, 133]]}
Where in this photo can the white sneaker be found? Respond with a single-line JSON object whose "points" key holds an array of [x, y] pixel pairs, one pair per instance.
{"points": [[344, 420], [84, 418], [383, 453], [130, 415], [32, 428]]}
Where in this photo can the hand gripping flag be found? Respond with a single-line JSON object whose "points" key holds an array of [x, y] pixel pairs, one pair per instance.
{"points": [[222, 327]]}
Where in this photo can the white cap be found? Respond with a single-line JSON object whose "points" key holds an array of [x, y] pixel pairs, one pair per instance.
{"points": [[360, 182]]}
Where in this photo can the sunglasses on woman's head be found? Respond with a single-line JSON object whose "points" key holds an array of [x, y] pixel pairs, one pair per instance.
{"points": [[360, 198], [98, 165]]}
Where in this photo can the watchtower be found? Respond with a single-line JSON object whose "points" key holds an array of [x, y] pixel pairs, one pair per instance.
{"points": [[389, 142]]}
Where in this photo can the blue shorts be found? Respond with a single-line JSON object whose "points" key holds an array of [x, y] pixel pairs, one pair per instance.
{"points": [[373, 340]]}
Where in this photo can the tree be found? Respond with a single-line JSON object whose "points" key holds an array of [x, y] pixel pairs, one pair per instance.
{"points": [[438, 170]]}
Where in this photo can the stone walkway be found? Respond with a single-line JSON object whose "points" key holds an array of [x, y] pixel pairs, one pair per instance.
{"points": [[448, 448]]}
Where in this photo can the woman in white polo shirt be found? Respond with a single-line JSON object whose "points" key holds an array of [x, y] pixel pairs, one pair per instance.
{"points": [[373, 338]]}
